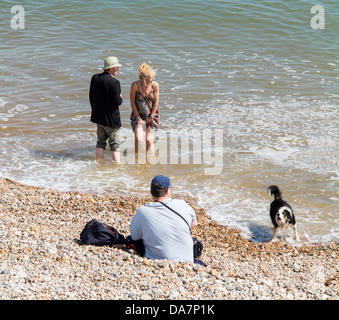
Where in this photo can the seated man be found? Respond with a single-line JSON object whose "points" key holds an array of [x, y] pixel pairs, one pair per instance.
{"points": [[164, 233]]}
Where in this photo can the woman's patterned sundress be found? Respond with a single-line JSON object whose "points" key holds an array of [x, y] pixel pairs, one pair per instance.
{"points": [[144, 105]]}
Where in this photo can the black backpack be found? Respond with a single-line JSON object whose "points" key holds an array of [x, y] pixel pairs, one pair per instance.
{"points": [[99, 234]]}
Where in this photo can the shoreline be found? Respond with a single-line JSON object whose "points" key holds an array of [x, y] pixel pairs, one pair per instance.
{"points": [[41, 258]]}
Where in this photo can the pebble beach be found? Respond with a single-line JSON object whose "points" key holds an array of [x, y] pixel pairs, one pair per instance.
{"points": [[42, 258]]}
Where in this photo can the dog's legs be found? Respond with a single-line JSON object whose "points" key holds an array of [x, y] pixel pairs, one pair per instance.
{"points": [[296, 232], [275, 234]]}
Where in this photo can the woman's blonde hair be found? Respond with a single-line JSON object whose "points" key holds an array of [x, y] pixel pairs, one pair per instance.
{"points": [[145, 71]]}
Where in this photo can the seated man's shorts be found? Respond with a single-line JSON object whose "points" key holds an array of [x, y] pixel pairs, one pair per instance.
{"points": [[113, 136]]}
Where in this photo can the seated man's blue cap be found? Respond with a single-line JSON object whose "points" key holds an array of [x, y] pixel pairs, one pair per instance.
{"points": [[160, 182]]}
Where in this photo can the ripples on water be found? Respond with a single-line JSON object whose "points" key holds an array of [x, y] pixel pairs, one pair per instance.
{"points": [[255, 69]]}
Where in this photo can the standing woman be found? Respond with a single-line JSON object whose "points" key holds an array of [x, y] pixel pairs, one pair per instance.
{"points": [[144, 99]]}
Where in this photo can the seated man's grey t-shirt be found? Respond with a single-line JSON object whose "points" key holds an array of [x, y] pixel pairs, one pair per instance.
{"points": [[165, 234]]}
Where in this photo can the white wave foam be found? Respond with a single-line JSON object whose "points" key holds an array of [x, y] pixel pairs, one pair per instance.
{"points": [[2, 102], [11, 112]]}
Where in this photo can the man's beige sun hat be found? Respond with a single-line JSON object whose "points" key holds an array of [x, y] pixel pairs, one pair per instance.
{"points": [[111, 62]]}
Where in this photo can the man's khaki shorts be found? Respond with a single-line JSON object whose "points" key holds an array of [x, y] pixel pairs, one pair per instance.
{"points": [[113, 136]]}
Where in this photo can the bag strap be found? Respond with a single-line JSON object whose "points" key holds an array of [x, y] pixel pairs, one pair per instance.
{"points": [[113, 232], [176, 213]]}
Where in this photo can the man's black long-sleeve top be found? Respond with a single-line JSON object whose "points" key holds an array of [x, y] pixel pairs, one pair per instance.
{"points": [[105, 99]]}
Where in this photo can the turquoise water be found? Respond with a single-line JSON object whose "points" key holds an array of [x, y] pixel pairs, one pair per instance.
{"points": [[254, 71]]}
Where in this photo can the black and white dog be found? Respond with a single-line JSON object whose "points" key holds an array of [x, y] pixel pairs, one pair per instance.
{"points": [[281, 213]]}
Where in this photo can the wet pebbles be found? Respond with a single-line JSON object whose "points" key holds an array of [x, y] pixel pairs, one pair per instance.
{"points": [[41, 256]]}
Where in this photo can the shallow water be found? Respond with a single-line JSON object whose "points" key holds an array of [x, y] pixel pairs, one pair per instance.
{"points": [[253, 84]]}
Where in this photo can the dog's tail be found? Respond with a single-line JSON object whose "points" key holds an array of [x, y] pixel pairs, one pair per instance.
{"points": [[274, 191]]}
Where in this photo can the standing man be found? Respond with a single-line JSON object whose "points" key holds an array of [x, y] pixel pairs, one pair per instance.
{"points": [[105, 98], [164, 233]]}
